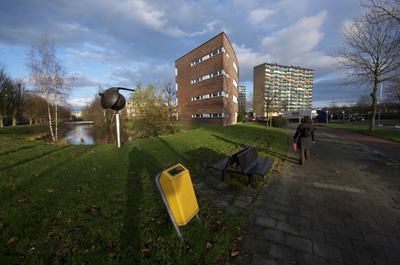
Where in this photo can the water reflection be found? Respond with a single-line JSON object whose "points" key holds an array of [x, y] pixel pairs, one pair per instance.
{"points": [[92, 135]]}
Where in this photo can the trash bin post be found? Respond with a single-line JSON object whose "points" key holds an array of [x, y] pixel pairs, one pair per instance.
{"points": [[171, 216]]}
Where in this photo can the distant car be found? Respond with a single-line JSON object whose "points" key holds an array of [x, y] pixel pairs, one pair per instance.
{"points": [[263, 119], [357, 118], [252, 119]]}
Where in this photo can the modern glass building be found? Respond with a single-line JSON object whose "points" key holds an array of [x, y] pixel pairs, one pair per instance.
{"points": [[242, 99], [283, 87]]}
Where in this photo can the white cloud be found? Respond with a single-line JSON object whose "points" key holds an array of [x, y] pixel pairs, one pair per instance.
{"points": [[81, 80], [80, 102], [258, 15]]}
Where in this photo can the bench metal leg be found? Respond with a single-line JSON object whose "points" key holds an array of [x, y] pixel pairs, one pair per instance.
{"points": [[251, 180], [223, 175]]}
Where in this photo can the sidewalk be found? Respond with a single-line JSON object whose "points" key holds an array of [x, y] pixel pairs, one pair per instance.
{"points": [[342, 207]]}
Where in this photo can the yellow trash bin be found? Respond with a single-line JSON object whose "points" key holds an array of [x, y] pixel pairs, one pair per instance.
{"points": [[178, 190]]}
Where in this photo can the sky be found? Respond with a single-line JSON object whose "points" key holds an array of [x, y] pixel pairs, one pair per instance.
{"points": [[122, 42]]}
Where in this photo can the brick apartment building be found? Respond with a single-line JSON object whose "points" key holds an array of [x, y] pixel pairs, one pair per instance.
{"points": [[207, 81]]}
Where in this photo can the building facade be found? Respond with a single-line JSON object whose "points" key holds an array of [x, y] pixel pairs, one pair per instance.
{"points": [[207, 81], [283, 87], [242, 99]]}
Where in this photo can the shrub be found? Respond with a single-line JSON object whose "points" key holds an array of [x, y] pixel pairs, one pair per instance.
{"points": [[279, 122], [240, 117]]}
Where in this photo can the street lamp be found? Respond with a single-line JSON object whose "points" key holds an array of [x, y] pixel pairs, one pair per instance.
{"points": [[111, 98]]}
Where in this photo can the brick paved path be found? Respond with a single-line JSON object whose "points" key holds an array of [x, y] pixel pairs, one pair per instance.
{"points": [[342, 207]]}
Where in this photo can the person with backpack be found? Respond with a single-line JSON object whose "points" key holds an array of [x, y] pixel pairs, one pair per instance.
{"points": [[305, 132]]}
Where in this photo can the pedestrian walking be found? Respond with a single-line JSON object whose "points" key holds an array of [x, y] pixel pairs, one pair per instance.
{"points": [[306, 138]]}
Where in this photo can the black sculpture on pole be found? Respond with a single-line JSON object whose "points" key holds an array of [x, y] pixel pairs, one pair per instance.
{"points": [[111, 98]]}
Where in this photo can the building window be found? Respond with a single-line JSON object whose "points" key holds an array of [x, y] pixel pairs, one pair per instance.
{"points": [[210, 115], [235, 83], [176, 86], [235, 99], [234, 66], [177, 101], [213, 95], [216, 52], [221, 72], [176, 71]]}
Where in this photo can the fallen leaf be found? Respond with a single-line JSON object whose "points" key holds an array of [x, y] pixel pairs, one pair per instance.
{"points": [[52, 190], [13, 188], [86, 250], [111, 255], [238, 228], [137, 216], [13, 239], [145, 250], [208, 245], [23, 200], [195, 185], [279, 171], [240, 238], [158, 239], [337, 171], [234, 253], [3, 215], [213, 228], [94, 206], [37, 175]]}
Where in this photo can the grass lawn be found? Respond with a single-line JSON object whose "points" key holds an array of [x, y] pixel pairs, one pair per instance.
{"points": [[392, 135], [96, 204]]}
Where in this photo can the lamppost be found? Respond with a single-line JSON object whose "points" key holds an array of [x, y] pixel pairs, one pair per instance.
{"points": [[111, 98]]}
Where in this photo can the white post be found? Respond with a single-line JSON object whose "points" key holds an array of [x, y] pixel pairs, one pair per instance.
{"points": [[380, 103], [118, 129]]}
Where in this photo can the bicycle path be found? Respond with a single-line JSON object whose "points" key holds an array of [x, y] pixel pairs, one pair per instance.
{"points": [[383, 146], [342, 207]]}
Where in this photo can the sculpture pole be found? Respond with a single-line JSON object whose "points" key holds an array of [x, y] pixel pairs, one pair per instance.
{"points": [[118, 128]]}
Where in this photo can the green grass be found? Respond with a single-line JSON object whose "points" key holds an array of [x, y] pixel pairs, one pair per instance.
{"points": [[387, 134], [104, 207]]}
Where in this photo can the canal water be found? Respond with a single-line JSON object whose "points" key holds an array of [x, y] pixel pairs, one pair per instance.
{"points": [[90, 134]]}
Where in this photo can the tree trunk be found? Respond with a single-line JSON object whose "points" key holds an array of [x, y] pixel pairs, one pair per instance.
{"points": [[1, 121], [14, 119], [374, 100], [51, 128], [30, 120]]}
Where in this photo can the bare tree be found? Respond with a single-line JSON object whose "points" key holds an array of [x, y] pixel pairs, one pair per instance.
{"points": [[389, 9], [393, 93], [370, 53], [48, 73], [4, 82]]}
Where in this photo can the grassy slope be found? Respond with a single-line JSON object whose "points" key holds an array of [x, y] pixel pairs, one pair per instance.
{"points": [[106, 208], [392, 135]]}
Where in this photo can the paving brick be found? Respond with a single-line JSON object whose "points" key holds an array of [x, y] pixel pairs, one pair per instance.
{"points": [[310, 214], [285, 227], [270, 205], [355, 224], [241, 204], [274, 235], [300, 221], [379, 261], [313, 234], [265, 221], [332, 219], [234, 210], [342, 213], [259, 211], [395, 242], [244, 260], [279, 215], [260, 260], [338, 241], [307, 259], [256, 245], [323, 226], [288, 209], [349, 232], [377, 239], [284, 253], [367, 248], [353, 258], [253, 230], [382, 230], [299, 243], [392, 254], [281, 201], [327, 251]]}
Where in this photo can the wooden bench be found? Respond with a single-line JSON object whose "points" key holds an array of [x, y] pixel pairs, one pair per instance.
{"points": [[251, 164], [224, 164]]}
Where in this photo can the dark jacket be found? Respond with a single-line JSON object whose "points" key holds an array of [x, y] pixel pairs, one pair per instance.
{"points": [[305, 142]]}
